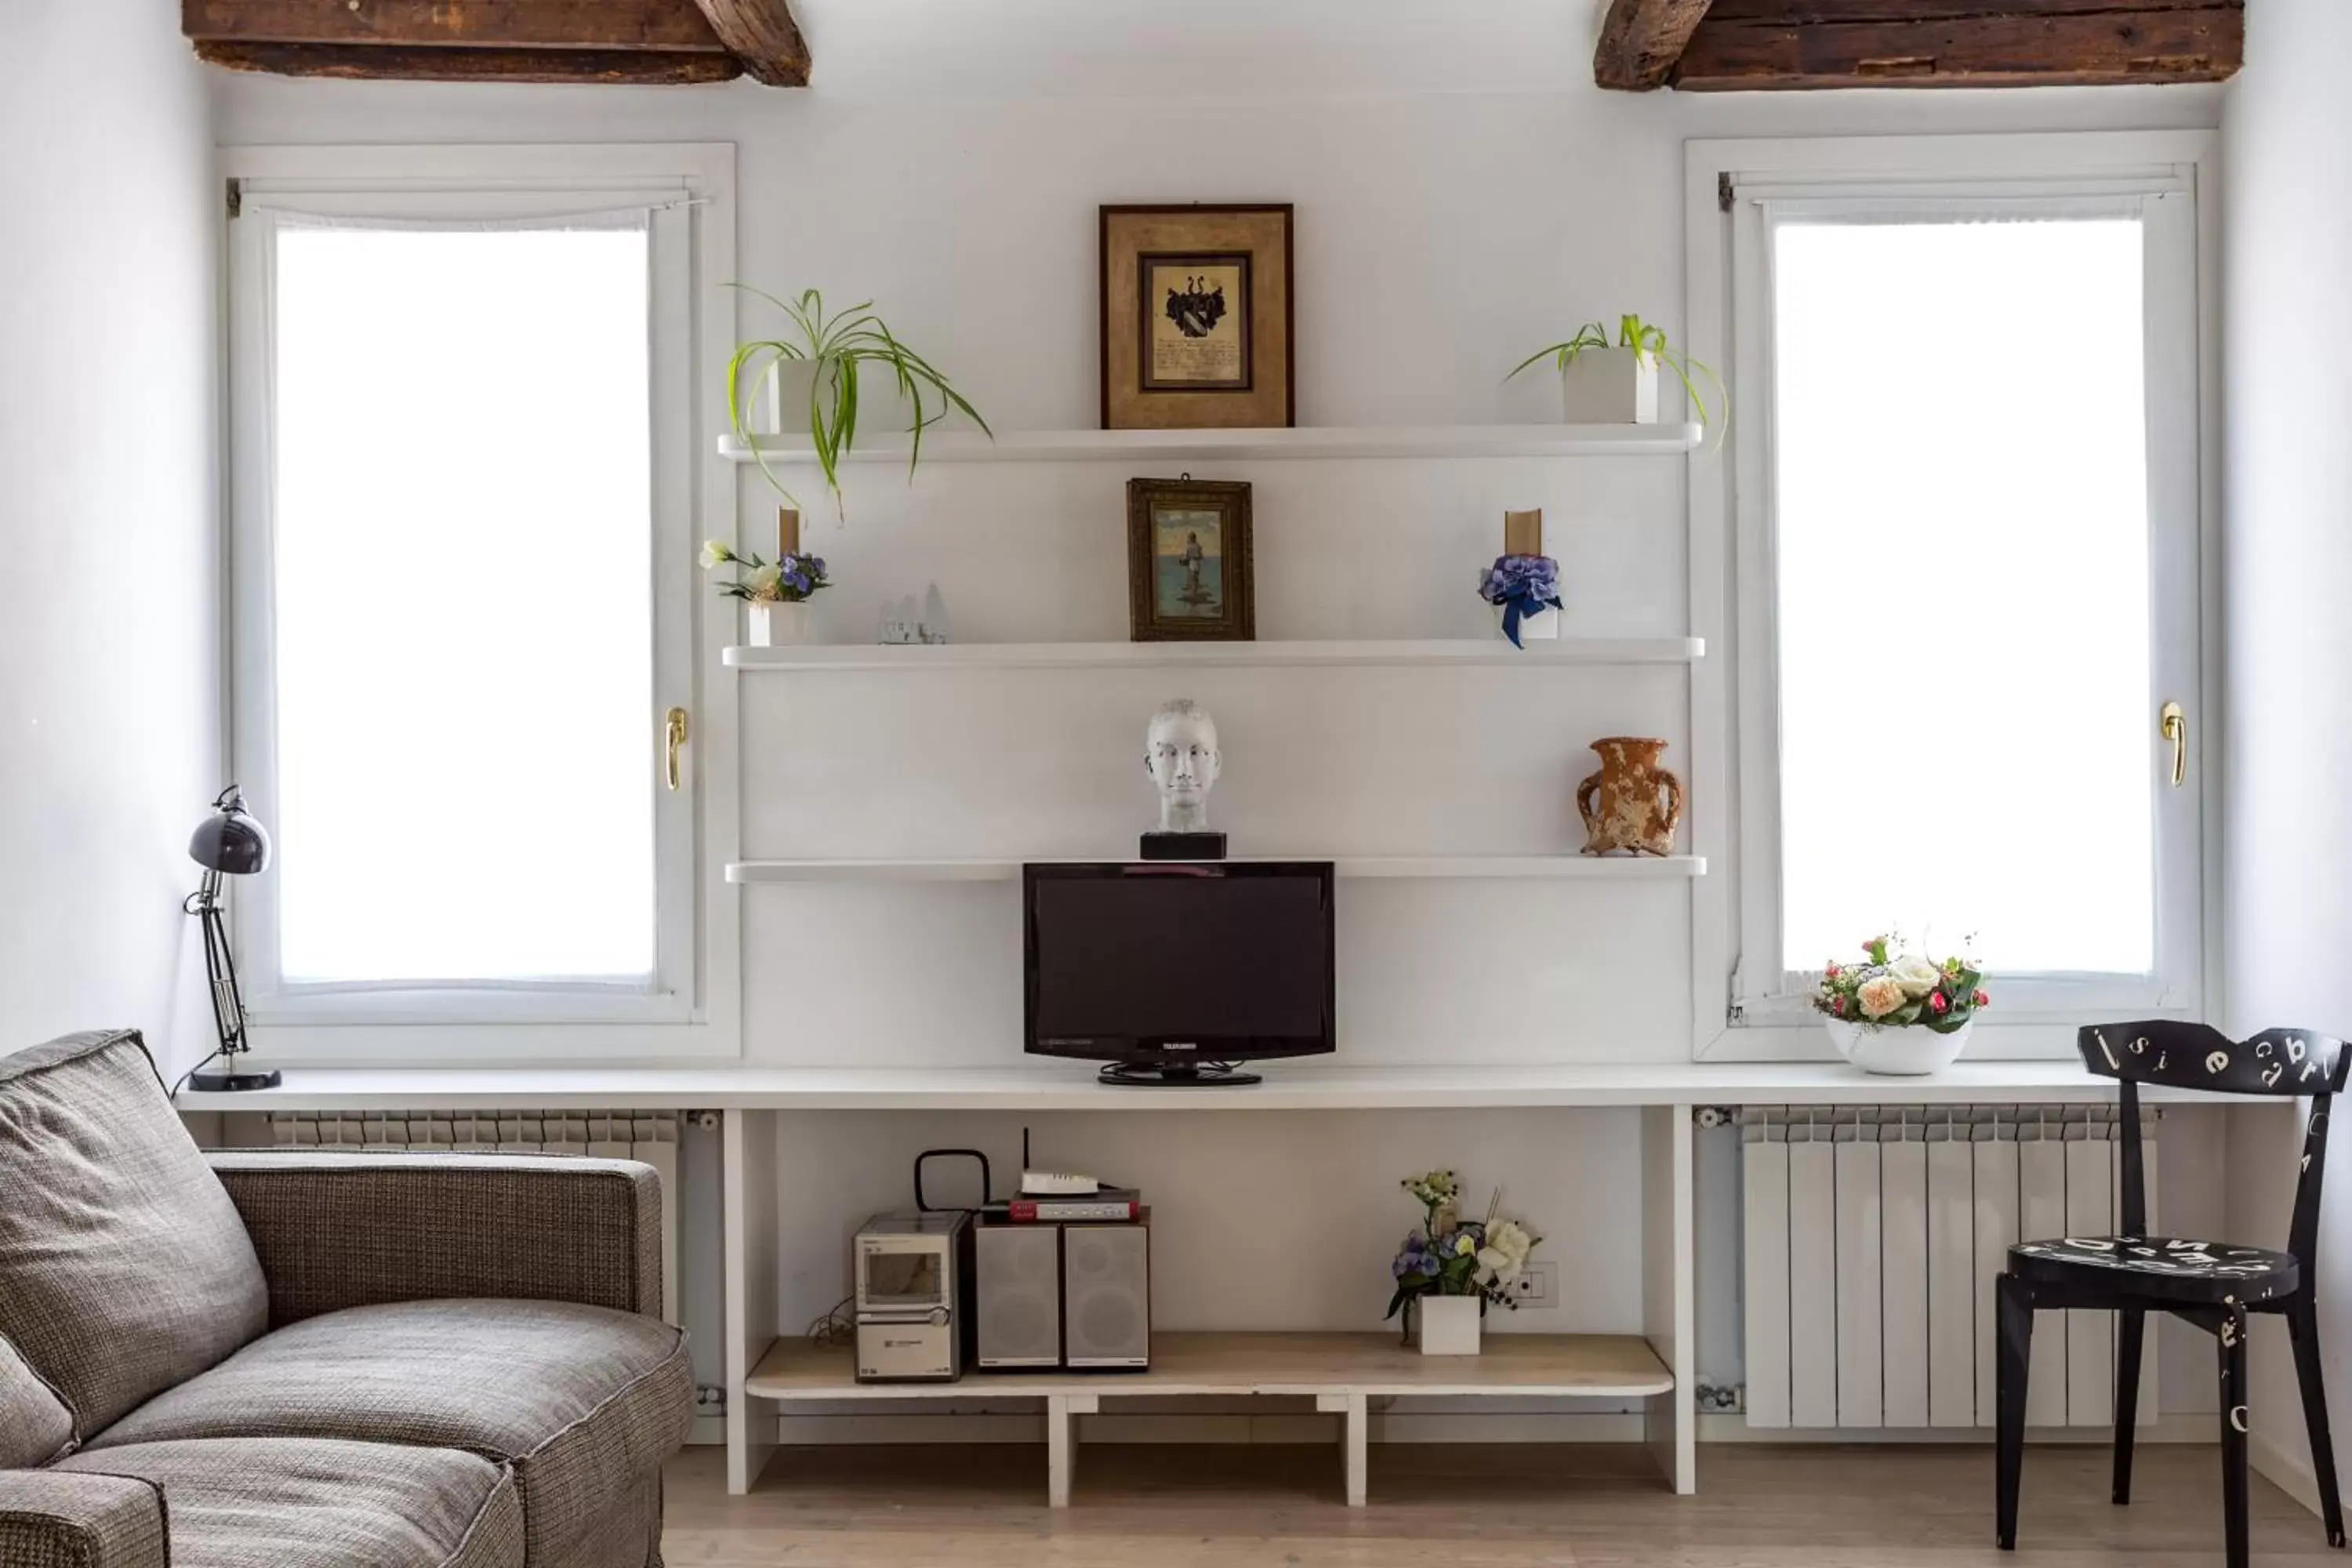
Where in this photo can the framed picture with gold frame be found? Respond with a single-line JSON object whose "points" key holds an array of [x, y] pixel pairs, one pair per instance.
{"points": [[1187, 562], [1197, 318]]}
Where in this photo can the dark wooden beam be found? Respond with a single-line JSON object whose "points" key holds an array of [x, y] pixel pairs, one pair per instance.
{"points": [[1641, 39], [1944, 43], [386, 62], [763, 36], [475, 24]]}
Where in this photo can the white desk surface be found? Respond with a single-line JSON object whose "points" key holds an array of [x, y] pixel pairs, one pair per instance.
{"points": [[1289, 1086]]}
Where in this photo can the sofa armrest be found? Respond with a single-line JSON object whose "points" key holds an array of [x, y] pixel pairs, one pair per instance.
{"points": [[336, 1230], [58, 1519]]}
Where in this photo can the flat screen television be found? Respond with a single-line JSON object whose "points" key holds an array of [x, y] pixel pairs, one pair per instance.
{"points": [[1171, 972]]}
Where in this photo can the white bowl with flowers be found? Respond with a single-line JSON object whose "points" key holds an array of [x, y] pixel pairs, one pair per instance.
{"points": [[1900, 1013]]}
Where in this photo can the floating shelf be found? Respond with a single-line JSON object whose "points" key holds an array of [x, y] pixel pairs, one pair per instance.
{"points": [[1299, 442], [1521, 867], [1480, 652]]}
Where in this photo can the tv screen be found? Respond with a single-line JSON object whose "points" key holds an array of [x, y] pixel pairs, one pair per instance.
{"points": [[1167, 967]]}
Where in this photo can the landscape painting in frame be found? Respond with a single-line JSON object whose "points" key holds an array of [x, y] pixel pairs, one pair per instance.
{"points": [[1189, 560]]}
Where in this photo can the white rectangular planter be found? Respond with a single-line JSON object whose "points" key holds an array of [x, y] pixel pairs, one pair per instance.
{"points": [[1541, 627], [1446, 1325], [780, 408], [778, 624], [1608, 387]]}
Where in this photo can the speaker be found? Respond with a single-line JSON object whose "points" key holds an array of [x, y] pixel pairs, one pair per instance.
{"points": [[1107, 1295], [1017, 1271]]}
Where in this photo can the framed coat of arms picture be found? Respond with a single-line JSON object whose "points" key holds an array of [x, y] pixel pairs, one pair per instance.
{"points": [[1197, 319]]}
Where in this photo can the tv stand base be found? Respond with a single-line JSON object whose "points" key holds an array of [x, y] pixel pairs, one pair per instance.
{"points": [[1179, 1075]]}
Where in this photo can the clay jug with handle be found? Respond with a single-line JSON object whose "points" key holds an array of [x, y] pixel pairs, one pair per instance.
{"points": [[1632, 804]]}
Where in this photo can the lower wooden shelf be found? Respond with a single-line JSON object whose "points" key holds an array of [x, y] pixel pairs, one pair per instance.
{"points": [[1562, 1365]]}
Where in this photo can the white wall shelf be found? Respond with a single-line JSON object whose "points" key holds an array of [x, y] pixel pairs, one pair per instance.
{"points": [[1465, 652], [1205, 446], [1564, 868]]}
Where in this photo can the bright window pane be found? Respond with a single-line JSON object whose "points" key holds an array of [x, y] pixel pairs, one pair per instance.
{"points": [[463, 603], [1964, 591]]}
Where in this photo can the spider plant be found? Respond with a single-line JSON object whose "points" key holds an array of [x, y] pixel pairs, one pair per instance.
{"points": [[838, 344], [1641, 339]]}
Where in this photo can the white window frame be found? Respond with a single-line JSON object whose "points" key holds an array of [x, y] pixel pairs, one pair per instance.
{"points": [[694, 1007], [1744, 1012]]}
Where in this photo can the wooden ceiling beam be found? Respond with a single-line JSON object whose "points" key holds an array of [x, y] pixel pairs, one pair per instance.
{"points": [[400, 62], [503, 40], [2073, 43], [764, 36], [1641, 39]]}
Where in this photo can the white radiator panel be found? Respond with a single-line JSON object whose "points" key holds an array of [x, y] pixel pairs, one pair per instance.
{"points": [[650, 1136], [1872, 1236]]}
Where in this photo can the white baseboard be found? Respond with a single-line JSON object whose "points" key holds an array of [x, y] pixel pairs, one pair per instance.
{"points": [[2289, 1470], [1720, 1428]]}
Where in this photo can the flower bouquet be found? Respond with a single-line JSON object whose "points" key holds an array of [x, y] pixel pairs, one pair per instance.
{"points": [[774, 591], [1900, 1013], [1450, 1269], [1525, 589]]}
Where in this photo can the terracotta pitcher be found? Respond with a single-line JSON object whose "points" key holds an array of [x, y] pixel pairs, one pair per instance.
{"points": [[1640, 804]]}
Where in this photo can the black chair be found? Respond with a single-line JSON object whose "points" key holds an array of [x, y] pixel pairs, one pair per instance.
{"points": [[2213, 1285]]}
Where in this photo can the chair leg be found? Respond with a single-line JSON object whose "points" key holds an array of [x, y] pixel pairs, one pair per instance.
{"points": [[2302, 1329], [2013, 1345], [2233, 1435], [2131, 1333]]}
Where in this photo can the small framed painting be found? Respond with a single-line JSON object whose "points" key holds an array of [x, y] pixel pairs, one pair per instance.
{"points": [[1187, 562], [1196, 318]]}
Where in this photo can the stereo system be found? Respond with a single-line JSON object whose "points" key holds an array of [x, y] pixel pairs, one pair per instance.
{"points": [[935, 1299]]}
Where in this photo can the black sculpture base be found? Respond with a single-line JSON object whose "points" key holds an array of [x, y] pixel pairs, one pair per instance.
{"points": [[234, 1082], [1160, 846]]}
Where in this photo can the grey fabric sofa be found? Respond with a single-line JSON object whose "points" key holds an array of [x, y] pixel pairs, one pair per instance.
{"points": [[270, 1360]]}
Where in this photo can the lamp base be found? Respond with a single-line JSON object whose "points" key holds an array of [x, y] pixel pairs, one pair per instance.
{"points": [[234, 1082]]}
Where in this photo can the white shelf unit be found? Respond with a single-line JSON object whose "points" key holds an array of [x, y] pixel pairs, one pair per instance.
{"points": [[1563, 867], [1457, 653], [1354, 442]]}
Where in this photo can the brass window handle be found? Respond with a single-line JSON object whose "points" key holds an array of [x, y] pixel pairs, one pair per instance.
{"points": [[675, 729], [2173, 725]]}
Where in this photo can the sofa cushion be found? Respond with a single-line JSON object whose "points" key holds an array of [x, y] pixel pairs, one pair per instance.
{"points": [[123, 1265], [584, 1400], [284, 1503], [34, 1425]]}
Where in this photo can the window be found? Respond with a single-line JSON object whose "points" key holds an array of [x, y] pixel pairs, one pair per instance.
{"points": [[1965, 513], [464, 507]]}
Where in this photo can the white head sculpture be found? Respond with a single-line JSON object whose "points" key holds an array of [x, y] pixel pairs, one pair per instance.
{"points": [[1179, 751]]}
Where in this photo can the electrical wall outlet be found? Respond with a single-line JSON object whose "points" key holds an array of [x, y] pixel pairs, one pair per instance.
{"points": [[1538, 1286]]}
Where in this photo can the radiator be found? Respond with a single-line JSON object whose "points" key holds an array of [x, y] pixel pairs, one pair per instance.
{"points": [[647, 1135], [1870, 1239]]}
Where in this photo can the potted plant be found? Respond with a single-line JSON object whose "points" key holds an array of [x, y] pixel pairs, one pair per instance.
{"points": [[1525, 592], [809, 378], [1451, 1269], [1602, 383], [777, 593], [1897, 1014]]}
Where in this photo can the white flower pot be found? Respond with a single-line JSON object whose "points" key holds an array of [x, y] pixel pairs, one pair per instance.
{"points": [[1905, 1051], [781, 409], [1446, 1325], [1541, 627], [1607, 387], [778, 624]]}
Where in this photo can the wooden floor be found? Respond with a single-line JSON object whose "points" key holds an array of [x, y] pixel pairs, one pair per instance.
{"points": [[1462, 1506]]}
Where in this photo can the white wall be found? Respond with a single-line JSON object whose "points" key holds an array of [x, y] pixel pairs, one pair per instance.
{"points": [[1464, 194], [2288, 556], [109, 713]]}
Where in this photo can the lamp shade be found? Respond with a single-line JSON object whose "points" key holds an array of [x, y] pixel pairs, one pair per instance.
{"points": [[230, 840]]}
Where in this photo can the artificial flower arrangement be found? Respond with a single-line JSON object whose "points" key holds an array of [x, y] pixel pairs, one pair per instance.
{"points": [[1450, 1255], [1521, 586], [790, 581], [1891, 989]]}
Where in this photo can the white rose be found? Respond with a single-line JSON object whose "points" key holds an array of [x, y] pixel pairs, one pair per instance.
{"points": [[1916, 975], [1505, 1255], [714, 554], [765, 583], [1881, 996]]}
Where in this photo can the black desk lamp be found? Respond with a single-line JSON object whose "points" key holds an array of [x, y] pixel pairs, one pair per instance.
{"points": [[227, 843]]}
